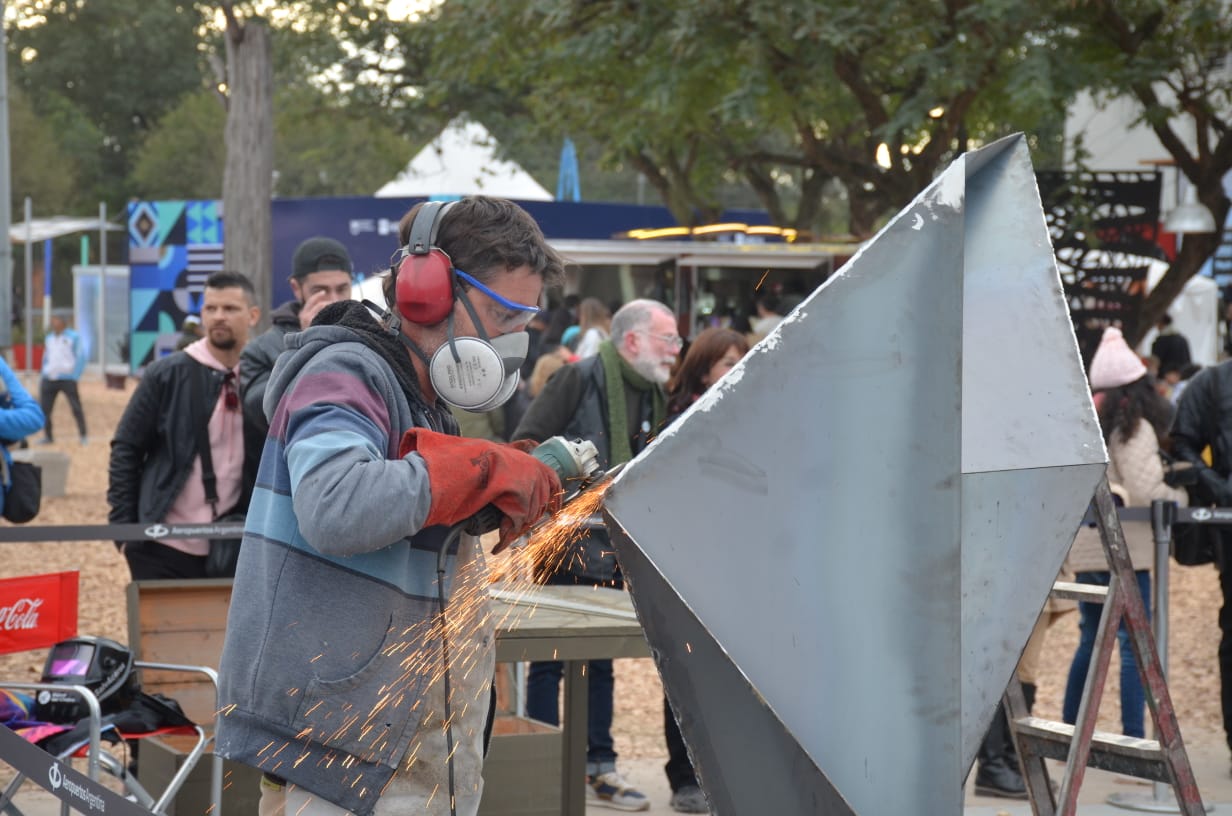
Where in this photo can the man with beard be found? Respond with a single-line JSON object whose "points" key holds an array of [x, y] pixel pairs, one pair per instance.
{"points": [[156, 473], [616, 400], [360, 639]]}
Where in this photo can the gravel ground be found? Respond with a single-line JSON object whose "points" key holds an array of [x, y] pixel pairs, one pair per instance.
{"points": [[1193, 628]]}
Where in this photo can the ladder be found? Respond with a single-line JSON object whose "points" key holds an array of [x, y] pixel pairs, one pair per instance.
{"points": [[1080, 745]]}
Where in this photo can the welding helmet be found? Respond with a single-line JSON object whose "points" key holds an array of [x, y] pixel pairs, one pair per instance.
{"points": [[101, 665]]}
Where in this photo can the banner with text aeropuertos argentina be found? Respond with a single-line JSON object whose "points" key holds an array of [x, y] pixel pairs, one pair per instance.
{"points": [[37, 611]]}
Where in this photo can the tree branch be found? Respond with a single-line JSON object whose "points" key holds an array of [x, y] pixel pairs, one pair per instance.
{"points": [[848, 70], [235, 29]]}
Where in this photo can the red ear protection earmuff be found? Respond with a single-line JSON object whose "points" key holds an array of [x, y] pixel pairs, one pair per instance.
{"points": [[425, 283]]}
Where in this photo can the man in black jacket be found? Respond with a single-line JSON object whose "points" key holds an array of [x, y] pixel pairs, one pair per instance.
{"points": [[1204, 418], [321, 274], [616, 400], [156, 473]]}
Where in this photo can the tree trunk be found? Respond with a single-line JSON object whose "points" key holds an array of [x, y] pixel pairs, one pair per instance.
{"points": [[864, 208], [1196, 250], [248, 180]]}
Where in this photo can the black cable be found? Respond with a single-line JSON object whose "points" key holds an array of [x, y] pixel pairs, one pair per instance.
{"points": [[454, 535]]}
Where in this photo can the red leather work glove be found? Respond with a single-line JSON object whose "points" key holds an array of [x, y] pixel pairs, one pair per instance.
{"points": [[466, 475]]}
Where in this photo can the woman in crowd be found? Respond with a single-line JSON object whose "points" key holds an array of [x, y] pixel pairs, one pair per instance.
{"points": [[594, 323], [1134, 417], [711, 355]]}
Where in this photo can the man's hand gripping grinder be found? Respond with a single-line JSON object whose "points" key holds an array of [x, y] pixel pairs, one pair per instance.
{"points": [[576, 462]]}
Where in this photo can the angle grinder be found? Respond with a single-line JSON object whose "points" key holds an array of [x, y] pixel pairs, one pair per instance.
{"points": [[576, 463]]}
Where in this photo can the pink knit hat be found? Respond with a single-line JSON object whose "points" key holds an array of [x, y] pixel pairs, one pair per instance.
{"points": [[1115, 363]]}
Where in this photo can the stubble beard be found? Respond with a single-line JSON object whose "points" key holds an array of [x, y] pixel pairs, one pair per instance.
{"points": [[226, 342]]}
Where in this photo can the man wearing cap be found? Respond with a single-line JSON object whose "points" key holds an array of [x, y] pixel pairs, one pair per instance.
{"points": [[1204, 420], [321, 274]]}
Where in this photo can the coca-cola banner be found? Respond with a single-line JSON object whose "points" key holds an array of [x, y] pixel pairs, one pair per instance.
{"points": [[37, 611]]}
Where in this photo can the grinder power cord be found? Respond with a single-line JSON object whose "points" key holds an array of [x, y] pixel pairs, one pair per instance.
{"points": [[493, 477]]}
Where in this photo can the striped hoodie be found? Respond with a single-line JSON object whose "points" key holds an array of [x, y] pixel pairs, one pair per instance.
{"points": [[331, 669]]}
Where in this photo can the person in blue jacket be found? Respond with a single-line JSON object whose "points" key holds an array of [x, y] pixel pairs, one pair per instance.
{"points": [[20, 416]]}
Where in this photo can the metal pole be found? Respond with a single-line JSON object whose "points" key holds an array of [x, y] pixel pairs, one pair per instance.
{"points": [[27, 320], [6, 214], [47, 267], [102, 286], [1163, 513]]}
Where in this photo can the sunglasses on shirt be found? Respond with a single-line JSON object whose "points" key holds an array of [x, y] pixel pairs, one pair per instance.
{"points": [[230, 392]]}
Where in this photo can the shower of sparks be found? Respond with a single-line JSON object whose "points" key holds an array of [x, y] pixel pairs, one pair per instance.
{"points": [[467, 621], [548, 546]]}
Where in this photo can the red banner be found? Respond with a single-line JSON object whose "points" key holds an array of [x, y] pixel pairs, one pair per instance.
{"points": [[37, 611]]}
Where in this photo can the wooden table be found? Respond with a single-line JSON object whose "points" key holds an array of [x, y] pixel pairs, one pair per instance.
{"points": [[572, 625], [185, 622]]}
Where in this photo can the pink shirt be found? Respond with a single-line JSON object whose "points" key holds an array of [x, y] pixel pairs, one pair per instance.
{"points": [[226, 427]]}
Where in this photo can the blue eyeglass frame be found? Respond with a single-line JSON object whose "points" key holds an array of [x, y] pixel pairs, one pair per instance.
{"points": [[502, 300]]}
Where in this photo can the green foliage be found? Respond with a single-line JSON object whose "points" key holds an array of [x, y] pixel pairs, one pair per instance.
{"points": [[320, 148], [108, 70], [325, 144], [782, 104], [1175, 60], [781, 98], [184, 155], [323, 148], [41, 168]]}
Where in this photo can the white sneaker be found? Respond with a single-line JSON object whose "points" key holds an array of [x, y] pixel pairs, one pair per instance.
{"points": [[611, 790]]}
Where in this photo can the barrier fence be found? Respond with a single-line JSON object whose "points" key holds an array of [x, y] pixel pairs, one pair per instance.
{"points": [[45, 770], [119, 532]]}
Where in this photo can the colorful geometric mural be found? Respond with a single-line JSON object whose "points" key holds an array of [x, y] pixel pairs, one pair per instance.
{"points": [[173, 246]]}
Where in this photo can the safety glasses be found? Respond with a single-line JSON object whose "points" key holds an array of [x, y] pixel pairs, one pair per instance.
{"points": [[502, 300]]}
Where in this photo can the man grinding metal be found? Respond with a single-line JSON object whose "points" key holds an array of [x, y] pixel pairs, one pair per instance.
{"points": [[338, 678]]}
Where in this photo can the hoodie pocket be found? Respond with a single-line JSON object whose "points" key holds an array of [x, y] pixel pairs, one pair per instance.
{"points": [[373, 713]]}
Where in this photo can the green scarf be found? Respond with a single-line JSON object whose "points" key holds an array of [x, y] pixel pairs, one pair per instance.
{"points": [[617, 373]]}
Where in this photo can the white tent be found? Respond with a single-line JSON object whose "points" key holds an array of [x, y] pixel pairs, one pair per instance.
{"points": [[462, 161], [1195, 314]]}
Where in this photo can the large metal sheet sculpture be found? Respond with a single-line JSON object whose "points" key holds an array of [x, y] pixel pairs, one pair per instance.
{"points": [[839, 552]]}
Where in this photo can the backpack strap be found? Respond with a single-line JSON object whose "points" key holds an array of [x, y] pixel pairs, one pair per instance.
{"points": [[201, 427]]}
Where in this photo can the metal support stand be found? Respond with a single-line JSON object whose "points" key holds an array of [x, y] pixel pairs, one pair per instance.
{"points": [[1163, 759], [1163, 516]]}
